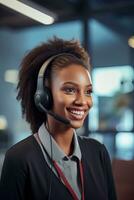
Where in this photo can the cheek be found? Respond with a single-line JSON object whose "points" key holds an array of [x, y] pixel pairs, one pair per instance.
{"points": [[90, 102], [61, 100]]}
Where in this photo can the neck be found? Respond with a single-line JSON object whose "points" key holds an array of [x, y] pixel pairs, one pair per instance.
{"points": [[65, 142], [63, 135]]}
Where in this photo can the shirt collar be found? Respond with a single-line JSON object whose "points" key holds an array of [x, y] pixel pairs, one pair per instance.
{"points": [[58, 154]]}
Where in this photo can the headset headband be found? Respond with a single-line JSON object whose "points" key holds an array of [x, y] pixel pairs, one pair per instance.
{"points": [[48, 61]]}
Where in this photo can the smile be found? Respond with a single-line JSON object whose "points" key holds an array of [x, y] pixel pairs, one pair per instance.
{"points": [[77, 114]]}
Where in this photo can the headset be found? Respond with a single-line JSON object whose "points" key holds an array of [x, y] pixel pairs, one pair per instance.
{"points": [[43, 97]]}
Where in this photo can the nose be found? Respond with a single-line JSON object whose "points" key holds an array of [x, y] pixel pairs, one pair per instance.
{"points": [[80, 100], [83, 100]]}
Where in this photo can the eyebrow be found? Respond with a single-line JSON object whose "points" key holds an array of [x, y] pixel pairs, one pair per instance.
{"points": [[73, 83]]}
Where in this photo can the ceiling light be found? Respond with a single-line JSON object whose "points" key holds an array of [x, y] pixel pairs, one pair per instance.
{"points": [[131, 41], [3, 122], [11, 76], [29, 10]]}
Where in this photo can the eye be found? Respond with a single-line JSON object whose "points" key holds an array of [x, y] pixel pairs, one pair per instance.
{"points": [[88, 92], [69, 90]]}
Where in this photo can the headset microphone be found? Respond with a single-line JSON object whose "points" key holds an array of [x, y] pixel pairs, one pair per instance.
{"points": [[57, 117], [43, 97]]}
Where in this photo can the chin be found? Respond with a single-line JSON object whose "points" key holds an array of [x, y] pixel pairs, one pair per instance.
{"points": [[76, 125]]}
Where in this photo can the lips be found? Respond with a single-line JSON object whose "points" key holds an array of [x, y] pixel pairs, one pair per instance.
{"points": [[76, 113]]}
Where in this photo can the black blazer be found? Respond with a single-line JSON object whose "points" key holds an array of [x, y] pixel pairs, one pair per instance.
{"points": [[26, 175]]}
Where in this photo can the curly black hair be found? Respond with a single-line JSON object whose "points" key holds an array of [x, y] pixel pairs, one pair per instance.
{"points": [[30, 66]]}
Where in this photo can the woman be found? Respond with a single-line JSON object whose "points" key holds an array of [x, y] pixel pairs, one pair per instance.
{"points": [[54, 163]]}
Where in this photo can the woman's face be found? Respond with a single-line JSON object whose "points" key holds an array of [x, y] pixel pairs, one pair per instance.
{"points": [[71, 89]]}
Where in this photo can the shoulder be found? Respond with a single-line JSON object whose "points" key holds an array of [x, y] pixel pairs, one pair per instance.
{"points": [[92, 146], [89, 142], [18, 161], [23, 149], [95, 150]]}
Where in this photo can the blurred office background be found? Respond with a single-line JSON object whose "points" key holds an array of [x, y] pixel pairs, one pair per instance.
{"points": [[106, 29]]}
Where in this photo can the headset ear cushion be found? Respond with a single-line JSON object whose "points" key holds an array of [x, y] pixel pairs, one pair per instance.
{"points": [[43, 97], [47, 99]]}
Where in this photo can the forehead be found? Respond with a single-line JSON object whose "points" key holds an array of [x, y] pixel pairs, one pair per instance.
{"points": [[72, 73]]}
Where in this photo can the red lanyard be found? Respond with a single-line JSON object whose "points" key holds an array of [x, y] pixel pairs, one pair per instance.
{"points": [[67, 184]]}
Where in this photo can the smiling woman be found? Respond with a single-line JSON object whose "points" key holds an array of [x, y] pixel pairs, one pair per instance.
{"points": [[55, 90]]}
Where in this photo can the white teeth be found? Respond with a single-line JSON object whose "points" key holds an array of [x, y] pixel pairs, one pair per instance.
{"points": [[77, 112]]}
